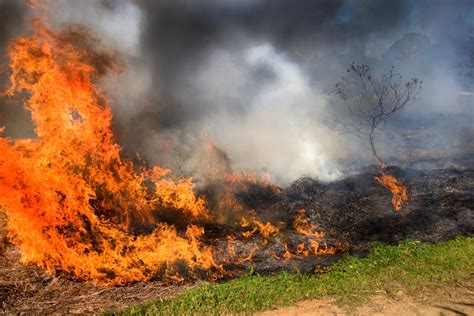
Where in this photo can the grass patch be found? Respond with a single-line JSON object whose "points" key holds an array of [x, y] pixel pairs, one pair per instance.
{"points": [[411, 264]]}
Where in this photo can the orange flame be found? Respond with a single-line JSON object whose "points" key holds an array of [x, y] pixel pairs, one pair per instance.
{"points": [[265, 230], [68, 194], [304, 227], [287, 255], [73, 201], [227, 202], [399, 191]]}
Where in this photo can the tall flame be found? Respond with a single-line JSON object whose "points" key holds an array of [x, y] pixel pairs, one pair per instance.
{"points": [[74, 204], [69, 196]]}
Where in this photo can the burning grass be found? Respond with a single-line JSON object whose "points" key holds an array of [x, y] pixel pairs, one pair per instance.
{"points": [[82, 215], [411, 264], [76, 206], [356, 211]]}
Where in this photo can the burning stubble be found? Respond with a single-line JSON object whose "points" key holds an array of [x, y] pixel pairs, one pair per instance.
{"points": [[236, 96], [72, 200]]}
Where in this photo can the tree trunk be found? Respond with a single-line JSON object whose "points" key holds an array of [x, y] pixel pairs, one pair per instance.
{"points": [[377, 158]]}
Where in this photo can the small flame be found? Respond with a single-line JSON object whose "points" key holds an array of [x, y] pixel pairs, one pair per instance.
{"points": [[265, 230], [399, 191], [287, 255], [304, 227]]}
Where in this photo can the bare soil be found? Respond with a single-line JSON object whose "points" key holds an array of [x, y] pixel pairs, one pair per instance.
{"points": [[455, 300]]}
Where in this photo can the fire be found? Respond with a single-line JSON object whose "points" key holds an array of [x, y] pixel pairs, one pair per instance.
{"points": [[69, 196], [301, 250], [399, 191], [265, 230], [248, 177], [230, 208], [287, 255], [74, 204], [304, 227]]}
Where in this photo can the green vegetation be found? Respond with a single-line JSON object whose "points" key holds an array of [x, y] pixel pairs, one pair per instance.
{"points": [[411, 264]]}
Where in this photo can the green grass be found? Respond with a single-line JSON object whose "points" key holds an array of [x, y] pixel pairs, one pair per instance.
{"points": [[411, 264]]}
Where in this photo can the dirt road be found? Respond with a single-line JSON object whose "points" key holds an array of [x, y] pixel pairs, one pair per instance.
{"points": [[453, 300]]}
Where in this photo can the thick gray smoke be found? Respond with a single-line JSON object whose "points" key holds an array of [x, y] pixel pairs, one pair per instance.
{"points": [[13, 21], [251, 76]]}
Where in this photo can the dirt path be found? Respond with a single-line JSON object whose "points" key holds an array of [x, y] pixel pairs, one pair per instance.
{"points": [[453, 300]]}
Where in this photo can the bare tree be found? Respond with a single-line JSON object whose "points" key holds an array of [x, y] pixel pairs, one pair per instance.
{"points": [[368, 101]]}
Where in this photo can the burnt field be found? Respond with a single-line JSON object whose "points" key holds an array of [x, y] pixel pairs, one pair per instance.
{"points": [[146, 149], [356, 211], [353, 212]]}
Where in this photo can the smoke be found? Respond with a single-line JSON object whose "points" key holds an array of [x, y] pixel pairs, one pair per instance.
{"points": [[251, 75], [14, 19], [11, 19], [273, 127]]}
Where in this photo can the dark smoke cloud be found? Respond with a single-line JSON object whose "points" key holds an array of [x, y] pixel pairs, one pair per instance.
{"points": [[13, 21], [179, 35], [251, 74], [201, 77], [12, 16]]}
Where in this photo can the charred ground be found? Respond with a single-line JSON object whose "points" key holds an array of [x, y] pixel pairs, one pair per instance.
{"points": [[353, 212], [356, 211]]}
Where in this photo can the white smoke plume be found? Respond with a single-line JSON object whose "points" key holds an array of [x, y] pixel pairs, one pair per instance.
{"points": [[252, 76]]}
